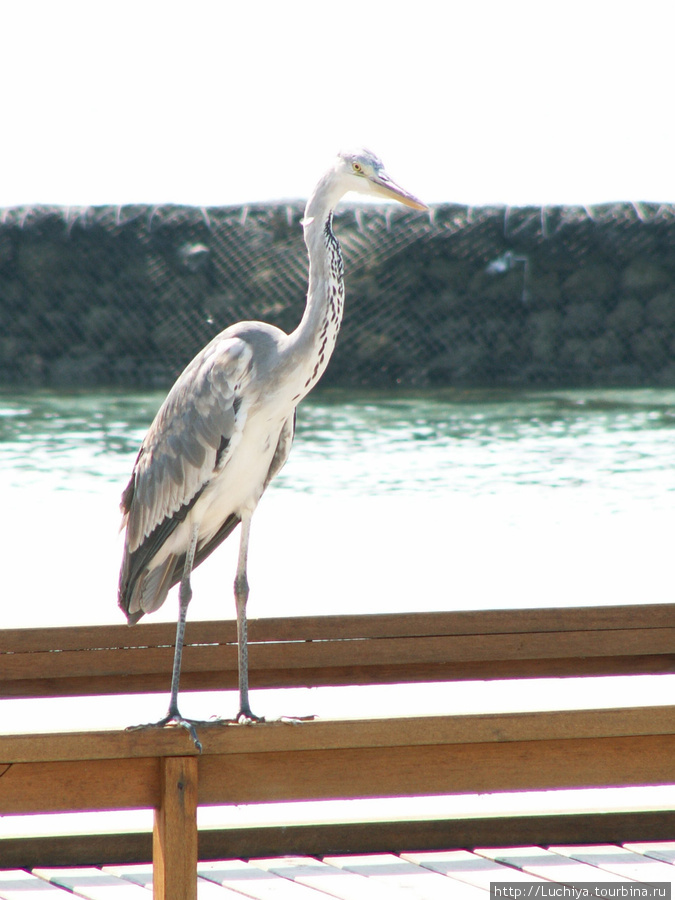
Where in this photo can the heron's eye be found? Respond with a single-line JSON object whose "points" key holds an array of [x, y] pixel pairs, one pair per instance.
{"points": [[358, 168]]}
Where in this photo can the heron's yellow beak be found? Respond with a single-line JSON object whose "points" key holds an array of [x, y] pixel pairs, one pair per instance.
{"points": [[385, 187]]}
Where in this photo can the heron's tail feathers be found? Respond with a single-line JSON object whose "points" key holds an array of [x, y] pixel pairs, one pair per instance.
{"points": [[143, 586], [149, 591]]}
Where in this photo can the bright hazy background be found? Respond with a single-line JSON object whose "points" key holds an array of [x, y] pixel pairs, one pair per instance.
{"points": [[210, 102]]}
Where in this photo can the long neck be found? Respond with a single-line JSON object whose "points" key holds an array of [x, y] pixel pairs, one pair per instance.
{"points": [[314, 339]]}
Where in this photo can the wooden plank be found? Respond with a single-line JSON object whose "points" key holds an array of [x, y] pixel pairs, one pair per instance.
{"points": [[76, 849], [19, 885], [342, 650], [252, 881], [318, 734], [226, 679], [305, 628], [335, 628], [439, 769], [80, 785], [222, 678], [433, 834], [92, 637], [314, 839], [93, 884], [618, 861], [337, 651], [483, 621], [275, 736], [342, 759], [462, 865], [392, 871], [664, 850], [299, 774], [552, 866], [137, 874], [174, 850], [94, 745], [142, 875], [339, 883], [395, 652]]}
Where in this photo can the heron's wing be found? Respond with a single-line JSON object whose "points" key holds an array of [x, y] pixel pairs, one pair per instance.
{"points": [[280, 456], [204, 550], [197, 426]]}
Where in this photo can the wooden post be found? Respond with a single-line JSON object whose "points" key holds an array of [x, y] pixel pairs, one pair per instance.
{"points": [[174, 848]]}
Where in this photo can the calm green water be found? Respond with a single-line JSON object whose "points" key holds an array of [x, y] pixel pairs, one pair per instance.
{"points": [[615, 446]]}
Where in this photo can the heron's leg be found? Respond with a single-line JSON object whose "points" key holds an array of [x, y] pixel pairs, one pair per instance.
{"points": [[184, 597], [173, 716], [241, 598]]}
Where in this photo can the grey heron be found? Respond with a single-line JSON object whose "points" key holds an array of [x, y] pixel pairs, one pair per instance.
{"points": [[226, 427]]}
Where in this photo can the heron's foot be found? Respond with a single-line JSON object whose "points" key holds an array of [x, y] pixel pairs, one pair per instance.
{"points": [[246, 717], [243, 717], [174, 720]]}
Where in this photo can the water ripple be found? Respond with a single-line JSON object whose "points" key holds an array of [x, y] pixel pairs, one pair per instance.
{"points": [[615, 445]]}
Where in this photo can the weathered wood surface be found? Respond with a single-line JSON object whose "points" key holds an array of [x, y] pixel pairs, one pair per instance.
{"points": [[343, 759], [337, 650], [277, 761], [319, 838], [174, 848]]}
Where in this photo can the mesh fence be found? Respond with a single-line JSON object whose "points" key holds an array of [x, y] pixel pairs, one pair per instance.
{"points": [[470, 296]]}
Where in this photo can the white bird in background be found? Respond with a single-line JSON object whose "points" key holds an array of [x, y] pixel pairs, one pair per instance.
{"points": [[226, 429]]}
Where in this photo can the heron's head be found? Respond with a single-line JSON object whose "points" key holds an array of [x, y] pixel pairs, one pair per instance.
{"points": [[364, 173]]}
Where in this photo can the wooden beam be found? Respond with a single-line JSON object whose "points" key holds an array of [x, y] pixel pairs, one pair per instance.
{"points": [[304, 628], [323, 838], [272, 762], [438, 769], [338, 651], [227, 739], [436, 834], [225, 677], [175, 831], [82, 785]]}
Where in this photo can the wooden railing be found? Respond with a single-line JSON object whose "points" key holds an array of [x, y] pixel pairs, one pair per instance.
{"points": [[395, 757]]}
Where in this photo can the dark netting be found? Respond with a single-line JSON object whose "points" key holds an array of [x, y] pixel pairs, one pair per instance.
{"points": [[481, 296]]}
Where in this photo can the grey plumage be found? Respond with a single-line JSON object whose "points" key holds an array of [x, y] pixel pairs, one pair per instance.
{"points": [[226, 429], [187, 445]]}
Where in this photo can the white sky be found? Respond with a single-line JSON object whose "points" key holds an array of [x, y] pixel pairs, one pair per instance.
{"points": [[213, 102]]}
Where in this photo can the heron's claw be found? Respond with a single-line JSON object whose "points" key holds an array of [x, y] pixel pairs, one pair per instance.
{"points": [[173, 720], [243, 717], [246, 717]]}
